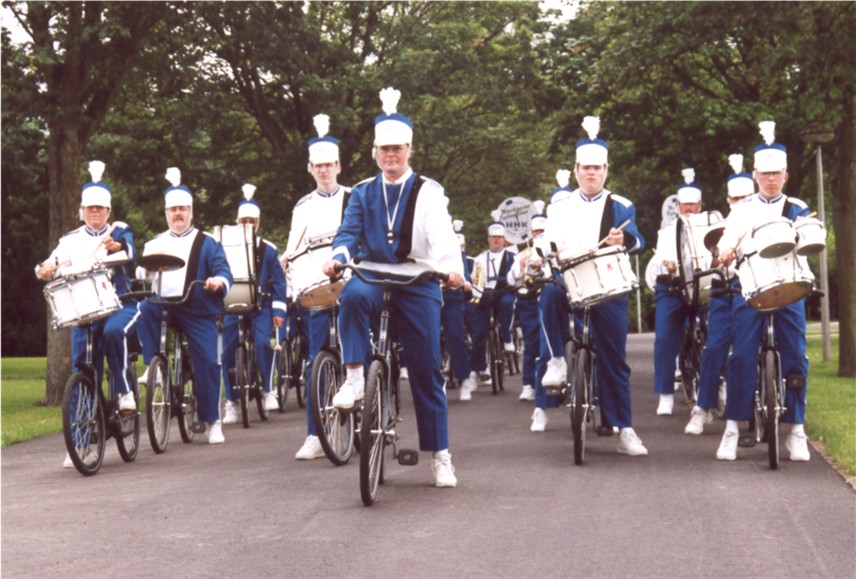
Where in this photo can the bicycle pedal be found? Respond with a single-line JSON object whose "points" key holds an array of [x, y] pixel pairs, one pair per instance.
{"points": [[554, 390], [604, 430], [408, 457], [198, 427], [746, 440]]}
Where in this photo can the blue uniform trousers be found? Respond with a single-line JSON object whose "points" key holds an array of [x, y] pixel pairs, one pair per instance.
{"points": [[452, 318], [715, 355], [749, 326], [554, 322], [527, 314], [109, 337], [317, 327], [669, 322], [480, 319], [418, 321], [201, 332], [261, 322]]}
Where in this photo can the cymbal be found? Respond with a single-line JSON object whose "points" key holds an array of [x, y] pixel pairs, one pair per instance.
{"points": [[712, 237], [160, 262]]}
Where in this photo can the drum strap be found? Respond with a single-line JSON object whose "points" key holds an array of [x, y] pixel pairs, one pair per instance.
{"points": [[786, 208], [193, 261], [406, 241], [607, 221], [346, 195]]}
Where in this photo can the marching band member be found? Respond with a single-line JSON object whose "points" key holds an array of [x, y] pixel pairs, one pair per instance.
{"points": [[671, 309], [576, 220], [771, 163], [720, 330], [269, 315], [397, 223], [315, 219], [204, 259], [452, 320], [76, 252]]}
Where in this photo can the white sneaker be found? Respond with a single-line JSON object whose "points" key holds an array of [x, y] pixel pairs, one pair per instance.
{"points": [[144, 379], [444, 472], [509, 347], [797, 445], [352, 390], [528, 393], [230, 412], [472, 383], [404, 374], [698, 418], [127, 404], [557, 372], [539, 420], [629, 443], [215, 433], [728, 446], [311, 449], [67, 462], [666, 405], [466, 393], [271, 402]]}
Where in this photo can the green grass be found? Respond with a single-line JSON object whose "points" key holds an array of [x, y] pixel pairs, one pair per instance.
{"points": [[23, 384], [831, 411]]}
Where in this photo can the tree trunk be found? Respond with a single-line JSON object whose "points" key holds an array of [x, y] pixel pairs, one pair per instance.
{"points": [[845, 240], [64, 158]]}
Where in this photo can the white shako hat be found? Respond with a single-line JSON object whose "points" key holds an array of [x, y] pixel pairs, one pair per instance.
{"points": [[323, 148], [592, 151], [563, 178], [248, 207], [740, 184], [496, 226], [539, 220], [459, 230], [770, 156], [176, 195], [96, 192], [689, 192], [392, 128]]}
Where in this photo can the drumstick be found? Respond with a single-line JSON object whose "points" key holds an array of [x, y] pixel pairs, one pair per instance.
{"points": [[101, 242], [812, 214], [622, 226]]}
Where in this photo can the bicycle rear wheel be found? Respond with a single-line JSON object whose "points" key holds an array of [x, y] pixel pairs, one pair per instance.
{"points": [[372, 432], [158, 404], [580, 389], [257, 388], [83, 425], [128, 435], [297, 378], [242, 381], [771, 383], [335, 428]]}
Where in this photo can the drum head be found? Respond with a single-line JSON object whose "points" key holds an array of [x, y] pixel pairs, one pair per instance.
{"points": [[712, 237], [322, 296], [779, 296], [160, 262]]}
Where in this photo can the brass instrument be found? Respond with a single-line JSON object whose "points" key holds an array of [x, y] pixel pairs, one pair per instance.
{"points": [[478, 278]]}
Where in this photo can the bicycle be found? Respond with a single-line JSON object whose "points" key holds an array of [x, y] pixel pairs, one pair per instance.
{"points": [[247, 377], [290, 363], [382, 403], [495, 351], [336, 429], [170, 388], [89, 418]]}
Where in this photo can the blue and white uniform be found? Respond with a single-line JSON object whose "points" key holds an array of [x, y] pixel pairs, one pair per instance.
{"points": [[452, 321], [422, 239], [198, 317], [496, 265]]}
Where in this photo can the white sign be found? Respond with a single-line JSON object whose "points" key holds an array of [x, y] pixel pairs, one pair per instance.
{"points": [[516, 213]]}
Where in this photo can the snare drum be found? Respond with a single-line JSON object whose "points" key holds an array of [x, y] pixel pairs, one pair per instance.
{"points": [[239, 243], [321, 295], [811, 236], [82, 298], [599, 275], [770, 284], [774, 238], [314, 290]]}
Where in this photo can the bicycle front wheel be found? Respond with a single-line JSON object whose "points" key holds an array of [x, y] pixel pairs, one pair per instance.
{"points": [[280, 372], [158, 404], [372, 432], [187, 414], [83, 425], [256, 385], [298, 377], [580, 389], [128, 437], [242, 380], [335, 428], [771, 383]]}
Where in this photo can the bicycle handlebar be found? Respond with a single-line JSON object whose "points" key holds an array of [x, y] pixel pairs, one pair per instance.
{"points": [[178, 301], [425, 275]]}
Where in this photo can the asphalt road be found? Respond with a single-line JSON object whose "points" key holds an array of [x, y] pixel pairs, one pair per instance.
{"points": [[521, 508]]}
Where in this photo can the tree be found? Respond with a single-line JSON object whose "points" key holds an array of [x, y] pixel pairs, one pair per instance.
{"points": [[79, 55]]}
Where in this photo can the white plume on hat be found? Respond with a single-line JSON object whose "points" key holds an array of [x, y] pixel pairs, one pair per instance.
{"points": [[689, 175], [768, 131], [689, 193], [538, 206], [736, 162], [563, 177], [249, 191], [458, 225], [591, 125], [389, 98], [322, 124], [96, 170], [496, 214], [173, 175]]}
